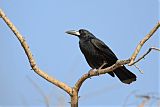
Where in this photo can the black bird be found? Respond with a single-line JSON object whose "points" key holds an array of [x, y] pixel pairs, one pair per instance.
{"points": [[98, 53]]}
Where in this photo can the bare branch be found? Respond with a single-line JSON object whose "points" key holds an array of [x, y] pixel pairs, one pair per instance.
{"points": [[138, 69], [38, 88], [134, 55], [147, 98], [128, 96], [31, 59], [143, 96], [144, 102], [100, 72], [149, 50]]}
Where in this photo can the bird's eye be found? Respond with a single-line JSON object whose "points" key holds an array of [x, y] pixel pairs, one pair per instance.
{"points": [[82, 32]]}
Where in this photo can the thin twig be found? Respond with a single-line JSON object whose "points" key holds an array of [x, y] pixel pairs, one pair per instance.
{"points": [[134, 55], [143, 96], [143, 56], [145, 100], [138, 69], [127, 98], [38, 88], [102, 66]]}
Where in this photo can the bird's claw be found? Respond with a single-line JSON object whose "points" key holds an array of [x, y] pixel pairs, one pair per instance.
{"points": [[98, 70]]}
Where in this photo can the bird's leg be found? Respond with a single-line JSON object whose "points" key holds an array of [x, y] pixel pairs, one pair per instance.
{"points": [[91, 70], [100, 68], [102, 65]]}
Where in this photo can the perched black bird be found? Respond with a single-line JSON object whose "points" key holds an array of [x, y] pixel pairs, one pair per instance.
{"points": [[98, 53]]}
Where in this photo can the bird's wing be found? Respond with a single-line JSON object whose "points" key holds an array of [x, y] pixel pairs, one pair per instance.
{"points": [[101, 46]]}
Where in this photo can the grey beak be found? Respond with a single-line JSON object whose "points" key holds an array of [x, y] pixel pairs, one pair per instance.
{"points": [[73, 32]]}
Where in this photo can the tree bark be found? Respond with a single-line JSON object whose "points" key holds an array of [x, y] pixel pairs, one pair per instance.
{"points": [[74, 98]]}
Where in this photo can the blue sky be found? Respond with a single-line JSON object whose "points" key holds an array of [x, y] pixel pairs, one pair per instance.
{"points": [[120, 24]]}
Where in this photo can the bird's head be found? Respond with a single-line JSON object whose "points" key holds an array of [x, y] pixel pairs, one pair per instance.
{"points": [[82, 33]]}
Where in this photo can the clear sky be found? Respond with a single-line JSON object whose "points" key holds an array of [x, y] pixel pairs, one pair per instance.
{"points": [[121, 24]]}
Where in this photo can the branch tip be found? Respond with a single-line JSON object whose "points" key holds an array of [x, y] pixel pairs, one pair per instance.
{"points": [[136, 66], [144, 55], [139, 46]]}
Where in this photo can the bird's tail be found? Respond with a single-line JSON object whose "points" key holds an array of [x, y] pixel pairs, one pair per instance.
{"points": [[125, 75]]}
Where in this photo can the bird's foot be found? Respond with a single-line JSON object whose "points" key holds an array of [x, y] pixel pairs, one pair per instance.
{"points": [[97, 71], [102, 65]]}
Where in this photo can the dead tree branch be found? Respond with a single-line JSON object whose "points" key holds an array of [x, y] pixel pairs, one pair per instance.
{"points": [[100, 72], [139, 46], [146, 99], [143, 56], [138, 69], [144, 102], [31, 59], [38, 88]]}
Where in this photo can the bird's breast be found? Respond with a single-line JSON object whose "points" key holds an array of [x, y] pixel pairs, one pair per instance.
{"points": [[92, 55], [87, 48]]}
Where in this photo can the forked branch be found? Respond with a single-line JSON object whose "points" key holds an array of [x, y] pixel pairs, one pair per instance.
{"points": [[139, 46], [143, 56]]}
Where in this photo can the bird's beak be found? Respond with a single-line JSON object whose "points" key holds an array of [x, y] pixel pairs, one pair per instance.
{"points": [[73, 32]]}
